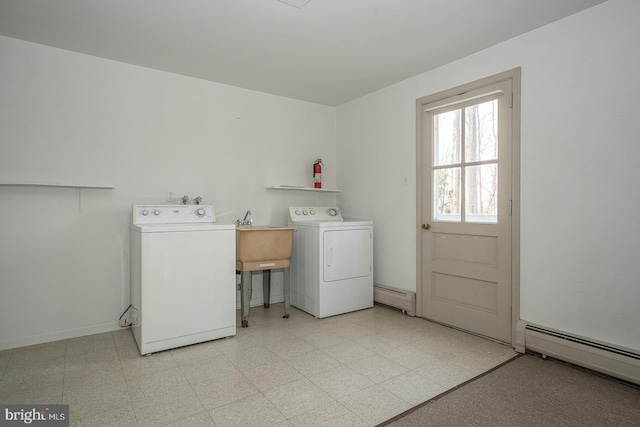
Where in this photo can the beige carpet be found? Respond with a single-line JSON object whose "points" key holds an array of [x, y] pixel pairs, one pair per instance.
{"points": [[530, 391]]}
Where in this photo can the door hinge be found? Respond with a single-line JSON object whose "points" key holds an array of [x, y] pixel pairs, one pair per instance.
{"points": [[511, 101], [510, 207]]}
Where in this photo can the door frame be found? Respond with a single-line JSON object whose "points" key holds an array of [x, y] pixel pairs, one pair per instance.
{"points": [[515, 76]]}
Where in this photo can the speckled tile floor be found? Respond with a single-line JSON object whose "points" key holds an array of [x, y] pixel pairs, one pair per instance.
{"points": [[356, 369]]}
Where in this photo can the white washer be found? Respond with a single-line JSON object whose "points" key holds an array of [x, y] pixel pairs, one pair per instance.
{"points": [[183, 277], [331, 263]]}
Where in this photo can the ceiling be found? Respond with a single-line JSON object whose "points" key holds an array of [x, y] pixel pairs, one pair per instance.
{"points": [[326, 51]]}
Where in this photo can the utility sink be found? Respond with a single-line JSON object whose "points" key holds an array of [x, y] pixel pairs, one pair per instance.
{"points": [[263, 247]]}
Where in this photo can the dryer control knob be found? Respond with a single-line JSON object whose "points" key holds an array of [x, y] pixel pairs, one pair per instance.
{"points": [[312, 212], [305, 212], [200, 212], [145, 212], [156, 212]]}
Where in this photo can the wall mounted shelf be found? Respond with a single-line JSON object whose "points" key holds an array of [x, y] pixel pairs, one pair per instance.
{"points": [[297, 188], [39, 184], [78, 188]]}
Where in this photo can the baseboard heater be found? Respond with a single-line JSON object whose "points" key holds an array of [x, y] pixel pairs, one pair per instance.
{"points": [[619, 362], [397, 298]]}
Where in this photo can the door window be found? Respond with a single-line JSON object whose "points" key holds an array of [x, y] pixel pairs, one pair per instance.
{"points": [[465, 163]]}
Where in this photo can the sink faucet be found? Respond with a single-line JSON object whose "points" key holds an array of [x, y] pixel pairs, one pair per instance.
{"points": [[246, 221]]}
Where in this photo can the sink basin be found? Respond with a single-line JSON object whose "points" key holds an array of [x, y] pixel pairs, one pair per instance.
{"points": [[263, 247]]}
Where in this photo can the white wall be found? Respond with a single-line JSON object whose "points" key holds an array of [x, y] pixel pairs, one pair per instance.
{"points": [[74, 119], [71, 118], [580, 229]]}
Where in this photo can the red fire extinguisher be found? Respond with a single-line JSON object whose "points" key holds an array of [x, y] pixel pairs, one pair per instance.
{"points": [[317, 174]]}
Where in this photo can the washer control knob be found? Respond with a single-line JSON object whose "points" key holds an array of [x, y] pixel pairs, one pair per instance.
{"points": [[312, 212], [156, 212], [145, 212], [297, 211], [305, 212], [200, 212], [333, 212]]}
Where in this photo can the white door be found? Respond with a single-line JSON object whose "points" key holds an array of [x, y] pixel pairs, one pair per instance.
{"points": [[346, 254], [465, 212]]}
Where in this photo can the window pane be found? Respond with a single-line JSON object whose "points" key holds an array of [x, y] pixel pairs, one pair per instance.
{"points": [[447, 194], [446, 135], [481, 132], [481, 199]]}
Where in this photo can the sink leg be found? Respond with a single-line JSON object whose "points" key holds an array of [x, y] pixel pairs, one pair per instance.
{"points": [[245, 296], [266, 287], [287, 290]]}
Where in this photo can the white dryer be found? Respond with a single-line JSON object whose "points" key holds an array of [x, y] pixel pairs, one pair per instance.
{"points": [[331, 263]]}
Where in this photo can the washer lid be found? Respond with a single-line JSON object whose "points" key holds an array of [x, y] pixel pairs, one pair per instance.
{"points": [[315, 214], [173, 214]]}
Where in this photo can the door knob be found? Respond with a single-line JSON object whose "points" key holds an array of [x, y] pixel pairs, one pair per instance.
{"points": [[426, 226]]}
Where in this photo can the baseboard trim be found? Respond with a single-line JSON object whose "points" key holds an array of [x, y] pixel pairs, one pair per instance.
{"points": [[610, 359], [62, 334], [397, 298]]}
